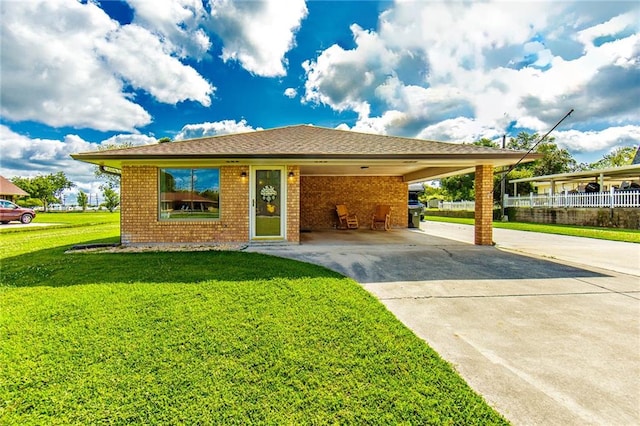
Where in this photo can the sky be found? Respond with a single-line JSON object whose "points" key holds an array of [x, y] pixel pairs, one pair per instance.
{"points": [[75, 75]]}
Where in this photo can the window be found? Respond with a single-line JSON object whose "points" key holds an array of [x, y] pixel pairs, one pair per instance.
{"points": [[189, 194]]}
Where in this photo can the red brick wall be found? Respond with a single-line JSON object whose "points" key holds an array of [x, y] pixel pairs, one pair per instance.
{"points": [[320, 194], [484, 205], [139, 210]]}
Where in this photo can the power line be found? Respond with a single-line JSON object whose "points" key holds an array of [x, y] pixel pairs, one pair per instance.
{"points": [[504, 176]]}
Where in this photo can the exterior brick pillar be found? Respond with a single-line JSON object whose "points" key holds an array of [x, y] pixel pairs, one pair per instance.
{"points": [[484, 205]]}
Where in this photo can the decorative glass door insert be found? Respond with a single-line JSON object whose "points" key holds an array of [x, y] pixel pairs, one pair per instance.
{"points": [[268, 203]]}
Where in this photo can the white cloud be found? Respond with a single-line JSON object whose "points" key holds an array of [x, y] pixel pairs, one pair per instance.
{"points": [[257, 34], [463, 71], [597, 140], [179, 21], [612, 27], [345, 79], [132, 139], [27, 157], [69, 64], [290, 92], [192, 131], [50, 70], [460, 129], [140, 58]]}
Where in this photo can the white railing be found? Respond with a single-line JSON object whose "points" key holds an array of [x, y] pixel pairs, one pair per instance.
{"points": [[457, 205], [609, 199]]}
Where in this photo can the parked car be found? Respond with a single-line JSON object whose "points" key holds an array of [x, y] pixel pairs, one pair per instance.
{"points": [[11, 212]]}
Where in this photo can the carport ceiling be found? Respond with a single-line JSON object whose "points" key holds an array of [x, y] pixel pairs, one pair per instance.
{"points": [[410, 170]]}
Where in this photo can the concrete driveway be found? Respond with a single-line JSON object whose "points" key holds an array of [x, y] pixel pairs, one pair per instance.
{"points": [[545, 341]]}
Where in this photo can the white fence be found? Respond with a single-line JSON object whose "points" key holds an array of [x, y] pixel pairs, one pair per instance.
{"points": [[609, 199], [457, 205]]}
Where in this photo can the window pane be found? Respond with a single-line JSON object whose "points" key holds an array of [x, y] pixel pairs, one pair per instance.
{"points": [[189, 193]]}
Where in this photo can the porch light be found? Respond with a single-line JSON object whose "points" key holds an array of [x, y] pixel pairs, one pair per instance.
{"points": [[291, 175], [243, 175]]}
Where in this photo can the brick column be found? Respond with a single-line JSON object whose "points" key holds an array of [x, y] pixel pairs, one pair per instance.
{"points": [[293, 204], [484, 205]]}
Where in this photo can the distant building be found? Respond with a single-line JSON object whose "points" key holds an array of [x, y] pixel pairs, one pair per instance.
{"points": [[8, 191]]}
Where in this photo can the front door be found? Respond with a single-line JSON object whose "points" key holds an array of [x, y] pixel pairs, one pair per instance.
{"points": [[268, 203]]}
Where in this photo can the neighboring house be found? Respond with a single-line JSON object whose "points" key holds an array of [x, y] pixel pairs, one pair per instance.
{"points": [[616, 178], [271, 184], [9, 191]]}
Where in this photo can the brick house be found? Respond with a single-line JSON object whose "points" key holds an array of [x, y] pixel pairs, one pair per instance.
{"points": [[271, 184]]}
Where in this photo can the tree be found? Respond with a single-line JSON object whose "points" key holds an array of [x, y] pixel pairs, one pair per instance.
{"points": [[83, 200], [48, 189], [523, 188], [486, 142], [461, 187], [555, 160], [430, 193], [164, 140], [524, 141], [109, 174], [111, 198], [458, 188], [621, 156]]}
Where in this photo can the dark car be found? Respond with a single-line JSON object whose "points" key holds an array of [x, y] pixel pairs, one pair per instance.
{"points": [[10, 212]]}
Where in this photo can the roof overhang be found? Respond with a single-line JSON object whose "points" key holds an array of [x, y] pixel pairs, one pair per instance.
{"points": [[317, 151], [413, 168]]}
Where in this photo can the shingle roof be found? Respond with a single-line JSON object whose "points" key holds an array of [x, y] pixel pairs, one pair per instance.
{"points": [[301, 141], [8, 188]]}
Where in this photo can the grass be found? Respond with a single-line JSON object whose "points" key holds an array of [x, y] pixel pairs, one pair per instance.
{"points": [[612, 234], [56, 220], [206, 338]]}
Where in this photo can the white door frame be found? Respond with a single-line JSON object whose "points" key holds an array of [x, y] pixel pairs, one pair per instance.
{"points": [[282, 195]]}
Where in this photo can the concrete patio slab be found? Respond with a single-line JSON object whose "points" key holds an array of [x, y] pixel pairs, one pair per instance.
{"points": [[545, 338]]}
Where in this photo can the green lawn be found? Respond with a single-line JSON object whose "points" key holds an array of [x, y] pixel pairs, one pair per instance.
{"points": [[625, 235], [204, 338]]}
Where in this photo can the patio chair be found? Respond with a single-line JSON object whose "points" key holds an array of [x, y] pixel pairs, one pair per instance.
{"points": [[347, 221], [381, 217]]}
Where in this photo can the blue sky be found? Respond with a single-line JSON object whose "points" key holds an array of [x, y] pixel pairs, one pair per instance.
{"points": [[77, 74]]}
